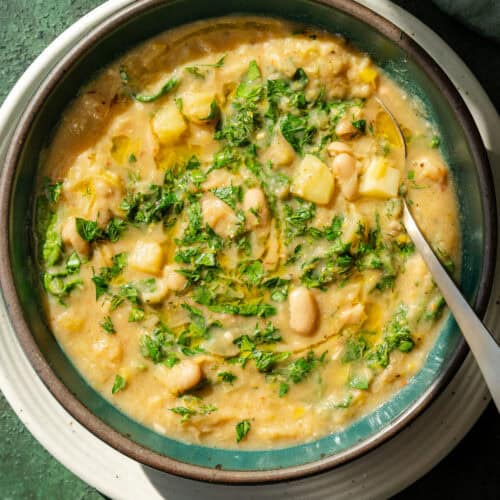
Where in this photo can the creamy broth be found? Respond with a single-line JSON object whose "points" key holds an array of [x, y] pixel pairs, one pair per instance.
{"points": [[219, 230]]}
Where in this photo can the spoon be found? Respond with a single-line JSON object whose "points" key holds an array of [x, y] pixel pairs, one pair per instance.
{"points": [[481, 342]]}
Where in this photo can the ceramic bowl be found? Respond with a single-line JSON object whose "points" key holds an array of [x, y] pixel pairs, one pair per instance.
{"points": [[409, 66]]}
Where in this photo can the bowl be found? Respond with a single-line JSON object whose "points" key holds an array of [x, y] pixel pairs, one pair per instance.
{"points": [[411, 68]]}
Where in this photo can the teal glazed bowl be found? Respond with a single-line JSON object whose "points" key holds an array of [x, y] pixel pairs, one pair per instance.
{"points": [[411, 68]]}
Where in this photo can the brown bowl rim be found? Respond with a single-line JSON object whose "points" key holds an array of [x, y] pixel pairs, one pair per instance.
{"points": [[216, 475]]}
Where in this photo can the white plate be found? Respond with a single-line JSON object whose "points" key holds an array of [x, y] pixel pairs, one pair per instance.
{"points": [[379, 474]]}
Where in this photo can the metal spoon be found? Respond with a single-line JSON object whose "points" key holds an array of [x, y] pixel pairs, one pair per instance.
{"points": [[482, 344]]}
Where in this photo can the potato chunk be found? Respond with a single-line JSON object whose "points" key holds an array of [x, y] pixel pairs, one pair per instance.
{"points": [[280, 152], [196, 106], [380, 180], [175, 281], [147, 257], [313, 181], [169, 124]]}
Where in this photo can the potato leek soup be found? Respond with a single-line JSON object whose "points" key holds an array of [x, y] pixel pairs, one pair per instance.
{"points": [[218, 227]]}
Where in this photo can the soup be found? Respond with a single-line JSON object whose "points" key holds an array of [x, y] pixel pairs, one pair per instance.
{"points": [[219, 233]]}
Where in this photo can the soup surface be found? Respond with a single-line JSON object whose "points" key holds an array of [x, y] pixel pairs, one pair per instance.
{"points": [[219, 232]]}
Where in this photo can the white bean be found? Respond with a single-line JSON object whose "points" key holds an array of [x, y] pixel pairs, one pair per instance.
{"points": [[219, 216], [432, 169], [184, 376], [255, 208], [345, 128], [344, 168], [337, 147], [303, 311]]}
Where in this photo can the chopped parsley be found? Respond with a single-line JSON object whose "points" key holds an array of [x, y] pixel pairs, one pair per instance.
{"points": [[167, 87], [90, 230], [196, 408], [242, 429], [229, 194], [227, 377], [107, 325], [119, 384], [397, 335], [106, 274]]}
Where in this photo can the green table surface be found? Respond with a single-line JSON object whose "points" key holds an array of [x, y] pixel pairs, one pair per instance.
{"points": [[28, 471]]}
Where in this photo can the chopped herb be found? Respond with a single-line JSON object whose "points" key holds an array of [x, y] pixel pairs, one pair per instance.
{"points": [[115, 228], [49, 237], [297, 131], [214, 112], [386, 282], [445, 259], [345, 403], [58, 286], [283, 389], [89, 230], [264, 360], [278, 288], [186, 413], [435, 308], [158, 346], [236, 128], [53, 191], [397, 335], [136, 314], [107, 325], [360, 125], [252, 271], [73, 263], [164, 90], [259, 309], [242, 429], [435, 141], [334, 230], [300, 368], [195, 71], [229, 194], [354, 350], [217, 64], [227, 377], [358, 382], [119, 384], [297, 218], [106, 274], [127, 291]]}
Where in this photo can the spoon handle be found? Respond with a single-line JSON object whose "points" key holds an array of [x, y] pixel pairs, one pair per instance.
{"points": [[481, 342]]}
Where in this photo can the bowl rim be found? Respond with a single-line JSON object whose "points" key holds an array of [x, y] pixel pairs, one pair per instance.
{"points": [[162, 462]]}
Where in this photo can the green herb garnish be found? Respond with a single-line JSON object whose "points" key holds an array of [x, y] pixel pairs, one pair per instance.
{"points": [[242, 429], [119, 384]]}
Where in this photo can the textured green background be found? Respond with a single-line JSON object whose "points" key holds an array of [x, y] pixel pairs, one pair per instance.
{"points": [[27, 471]]}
